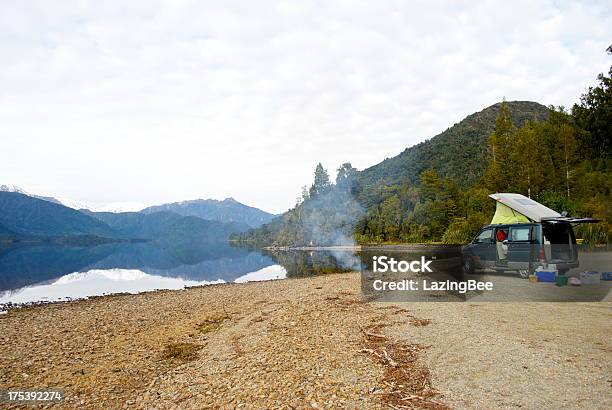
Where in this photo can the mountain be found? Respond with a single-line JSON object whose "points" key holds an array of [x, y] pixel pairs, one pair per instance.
{"points": [[459, 152], [26, 215], [78, 205], [228, 210], [167, 226], [19, 190]]}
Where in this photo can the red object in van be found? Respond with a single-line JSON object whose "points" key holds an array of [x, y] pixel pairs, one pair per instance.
{"points": [[501, 236], [542, 255]]}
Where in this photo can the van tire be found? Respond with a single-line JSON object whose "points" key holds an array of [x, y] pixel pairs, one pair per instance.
{"points": [[468, 266]]}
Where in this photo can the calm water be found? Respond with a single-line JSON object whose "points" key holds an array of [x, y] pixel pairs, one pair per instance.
{"points": [[52, 273], [55, 273]]}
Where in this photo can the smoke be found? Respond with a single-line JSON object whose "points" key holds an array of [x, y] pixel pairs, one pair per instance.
{"points": [[330, 218]]}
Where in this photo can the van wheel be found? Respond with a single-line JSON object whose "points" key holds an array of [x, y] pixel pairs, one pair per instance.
{"points": [[523, 273], [468, 266]]}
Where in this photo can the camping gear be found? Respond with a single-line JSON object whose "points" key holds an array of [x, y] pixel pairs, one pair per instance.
{"points": [[561, 280], [606, 275], [589, 278], [574, 281], [546, 276], [533, 278]]}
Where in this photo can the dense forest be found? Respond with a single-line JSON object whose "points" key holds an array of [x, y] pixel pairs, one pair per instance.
{"points": [[437, 191]]}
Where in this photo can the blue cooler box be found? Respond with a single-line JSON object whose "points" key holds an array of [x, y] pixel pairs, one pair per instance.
{"points": [[606, 276], [546, 276]]}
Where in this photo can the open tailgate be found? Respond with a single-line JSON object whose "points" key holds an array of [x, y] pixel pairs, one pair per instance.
{"points": [[571, 220]]}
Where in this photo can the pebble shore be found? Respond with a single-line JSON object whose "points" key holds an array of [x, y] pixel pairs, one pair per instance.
{"points": [[307, 343]]}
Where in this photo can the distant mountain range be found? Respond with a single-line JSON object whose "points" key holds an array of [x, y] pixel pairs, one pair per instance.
{"points": [[33, 218], [166, 225], [29, 216], [228, 210]]}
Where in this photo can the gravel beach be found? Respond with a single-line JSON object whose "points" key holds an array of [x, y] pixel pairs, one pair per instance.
{"points": [[308, 343]]}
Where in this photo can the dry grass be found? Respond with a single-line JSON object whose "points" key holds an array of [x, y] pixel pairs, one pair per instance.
{"points": [[212, 323], [181, 351]]}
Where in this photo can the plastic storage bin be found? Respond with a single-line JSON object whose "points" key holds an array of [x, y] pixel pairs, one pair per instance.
{"points": [[589, 278], [546, 276]]}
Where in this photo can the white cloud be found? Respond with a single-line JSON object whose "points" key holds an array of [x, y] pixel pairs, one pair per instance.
{"points": [[144, 102]]}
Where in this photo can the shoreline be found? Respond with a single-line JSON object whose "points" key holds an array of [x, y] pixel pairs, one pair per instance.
{"points": [[354, 248], [363, 247]]}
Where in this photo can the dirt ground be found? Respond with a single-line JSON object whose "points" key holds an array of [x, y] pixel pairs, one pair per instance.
{"points": [[308, 343]]}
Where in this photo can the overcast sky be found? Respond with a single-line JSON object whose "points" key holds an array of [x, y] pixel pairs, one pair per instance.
{"points": [[151, 102]]}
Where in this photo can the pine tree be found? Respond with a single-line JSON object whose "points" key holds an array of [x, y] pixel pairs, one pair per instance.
{"points": [[498, 175], [527, 157], [346, 179], [594, 114], [321, 181]]}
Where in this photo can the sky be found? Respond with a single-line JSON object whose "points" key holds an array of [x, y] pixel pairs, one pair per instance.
{"points": [[150, 102]]}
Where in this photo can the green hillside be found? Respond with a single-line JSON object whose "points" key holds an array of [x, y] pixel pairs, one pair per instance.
{"points": [[459, 152]]}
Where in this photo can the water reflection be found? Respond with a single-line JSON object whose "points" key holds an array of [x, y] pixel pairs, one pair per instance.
{"points": [[96, 282], [48, 273], [27, 265]]}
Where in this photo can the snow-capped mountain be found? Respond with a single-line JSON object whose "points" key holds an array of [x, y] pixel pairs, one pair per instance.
{"points": [[19, 190], [70, 203], [12, 188]]}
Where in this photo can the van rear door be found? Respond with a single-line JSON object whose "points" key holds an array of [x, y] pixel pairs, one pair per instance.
{"points": [[559, 241]]}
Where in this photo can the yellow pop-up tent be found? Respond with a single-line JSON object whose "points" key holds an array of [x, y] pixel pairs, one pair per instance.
{"points": [[506, 215], [516, 209]]}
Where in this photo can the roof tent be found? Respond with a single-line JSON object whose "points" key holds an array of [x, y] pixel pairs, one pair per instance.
{"points": [[517, 208]]}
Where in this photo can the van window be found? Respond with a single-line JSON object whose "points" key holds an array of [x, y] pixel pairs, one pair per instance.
{"points": [[519, 233], [486, 236], [557, 233]]}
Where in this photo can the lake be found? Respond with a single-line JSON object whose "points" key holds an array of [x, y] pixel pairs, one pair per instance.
{"points": [[47, 273]]}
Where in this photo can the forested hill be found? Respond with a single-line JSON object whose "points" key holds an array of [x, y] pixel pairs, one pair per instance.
{"points": [[459, 152], [438, 190]]}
